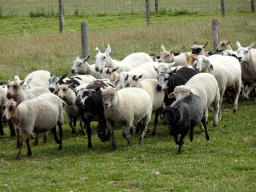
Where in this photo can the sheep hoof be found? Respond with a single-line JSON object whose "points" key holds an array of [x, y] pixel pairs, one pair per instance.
{"points": [[89, 146], [29, 154], [18, 158], [234, 111], [114, 146], [60, 147], [73, 131], [148, 130]]}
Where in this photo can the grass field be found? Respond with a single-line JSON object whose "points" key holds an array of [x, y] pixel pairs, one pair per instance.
{"points": [[225, 163]]}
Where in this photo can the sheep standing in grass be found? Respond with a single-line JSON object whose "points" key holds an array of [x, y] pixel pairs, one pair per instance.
{"points": [[3, 98], [183, 115], [127, 106], [36, 115], [169, 57], [65, 93], [129, 62], [83, 68], [247, 59], [157, 97], [205, 86], [226, 70]]}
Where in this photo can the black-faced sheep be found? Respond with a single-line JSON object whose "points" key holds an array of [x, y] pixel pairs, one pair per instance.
{"points": [[183, 115], [198, 49], [40, 114], [126, 107]]}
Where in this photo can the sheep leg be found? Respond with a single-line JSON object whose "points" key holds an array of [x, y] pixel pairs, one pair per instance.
{"points": [[29, 153], [128, 137], [175, 138], [102, 131], [217, 113], [71, 125], [82, 127], [191, 136], [181, 143], [156, 121], [45, 137], [237, 91], [11, 126], [89, 133], [55, 135], [246, 95], [111, 130], [61, 133], [36, 139], [1, 127], [25, 137], [144, 127], [18, 138]]}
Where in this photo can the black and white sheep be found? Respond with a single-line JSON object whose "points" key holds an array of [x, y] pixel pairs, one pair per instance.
{"points": [[40, 114], [109, 73], [183, 115], [90, 106], [77, 80], [198, 49], [126, 107]]}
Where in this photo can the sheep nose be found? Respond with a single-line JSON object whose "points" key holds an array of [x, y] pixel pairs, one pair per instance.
{"points": [[73, 71], [106, 105], [78, 103], [240, 58], [127, 85], [158, 88], [97, 69], [8, 96], [52, 89]]}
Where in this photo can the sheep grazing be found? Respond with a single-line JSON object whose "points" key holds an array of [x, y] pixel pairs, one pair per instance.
{"points": [[90, 107], [81, 67], [183, 115], [205, 86], [223, 45], [247, 59], [198, 49], [169, 57], [77, 80], [3, 98], [226, 70], [127, 106], [168, 81], [35, 115], [144, 71], [65, 93], [109, 73], [129, 62], [157, 97]]}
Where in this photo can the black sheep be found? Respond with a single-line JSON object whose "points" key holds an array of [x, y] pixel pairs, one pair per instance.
{"points": [[183, 115]]}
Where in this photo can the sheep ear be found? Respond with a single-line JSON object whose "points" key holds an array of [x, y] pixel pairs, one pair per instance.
{"points": [[86, 58], [51, 74], [211, 67], [30, 79], [250, 46], [16, 78], [171, 95], [158, 71], [173, 49], [98, 88], [126, 78], [108, 50], [186, 55], [228, 42], [140, 77], [205, 44], [163, 48], [77, 57], [22, 82], [238, 45], [115, 69], [195, 43], [97, 50], [190, 92], [70, 85], [63, 76]]}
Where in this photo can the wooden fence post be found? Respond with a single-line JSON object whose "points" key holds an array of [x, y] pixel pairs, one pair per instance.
{"points": [[148, 12], [156, 5], [61, 17], [84, 38], [223, 7], [215, 34], [252, 6]]}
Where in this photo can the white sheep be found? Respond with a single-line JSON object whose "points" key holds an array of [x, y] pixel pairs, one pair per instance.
{"points": [[157, 97], [229, 53], [247, 59], [144, 71], [127, 106], [65, 93], [223, 45], [205, 86], [36, 115], [226, 70], [168, 57], [129, 62], [81, 67], [198, 49]]}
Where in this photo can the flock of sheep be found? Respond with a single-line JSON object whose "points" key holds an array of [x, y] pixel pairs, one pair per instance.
{"points": [[179, 86]]}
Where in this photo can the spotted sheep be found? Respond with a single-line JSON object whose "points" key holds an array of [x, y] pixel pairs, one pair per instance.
{"points": [[129, 62], [126, 107], [109, 73], [82, 67], [39, 114]]}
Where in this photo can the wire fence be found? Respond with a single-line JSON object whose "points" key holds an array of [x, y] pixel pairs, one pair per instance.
{"points": [[30, 39]]}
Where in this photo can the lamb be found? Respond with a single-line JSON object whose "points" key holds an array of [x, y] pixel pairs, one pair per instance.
{"points": [[77, 80], [227, 72], [38, 78], [183, 115], [127, 106], [204, 85], [109, 73], [247, 59], [3, 98], [157, 97], [168, 57], [83, 68], [168, 81], [198, 49], [144, 71], [65, 93], [90, 107], [223, 45], [129, 62], [36, 115]]}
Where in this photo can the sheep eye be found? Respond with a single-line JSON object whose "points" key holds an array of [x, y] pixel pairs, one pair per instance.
{"points": [[11, 108], [14, 86], [104, 58], [80, 64], [166, 56]]}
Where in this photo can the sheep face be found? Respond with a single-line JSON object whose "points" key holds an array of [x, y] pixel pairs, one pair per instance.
{"points": [[162, 83], [9, 110], [243, 53], [169, 114], [132, 80], [80, 66], [180, 91], [102, 59], [191, 59], [198, 49], [64, 93], [202, 64], [121, 80], [13, 89], [54, 81], [224, 45], [108, 73], [164, 68], [82, 95], [109, 96]]}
